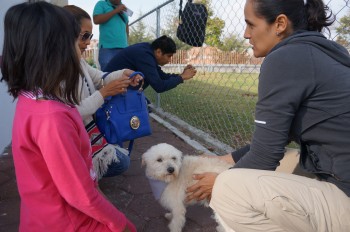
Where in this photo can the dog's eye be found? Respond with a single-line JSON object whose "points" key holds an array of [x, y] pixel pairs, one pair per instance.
{"points": [[159, 160], [174, 158]]}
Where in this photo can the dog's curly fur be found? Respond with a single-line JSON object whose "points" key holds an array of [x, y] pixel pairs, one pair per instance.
{"points": [[166, 163]]}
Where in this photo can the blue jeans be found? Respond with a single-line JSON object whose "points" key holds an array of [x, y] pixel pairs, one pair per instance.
{"points": [[117, 168], [105, 55]]}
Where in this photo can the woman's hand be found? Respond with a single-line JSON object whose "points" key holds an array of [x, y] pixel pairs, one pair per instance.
{"points": [[135, 80], [203, 188], [115, 87]]}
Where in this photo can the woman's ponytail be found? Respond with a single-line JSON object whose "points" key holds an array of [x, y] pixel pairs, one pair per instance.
{"points": [[318, 15]]}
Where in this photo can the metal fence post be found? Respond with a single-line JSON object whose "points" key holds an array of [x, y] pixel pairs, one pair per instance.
{"points": [[158, 34]]}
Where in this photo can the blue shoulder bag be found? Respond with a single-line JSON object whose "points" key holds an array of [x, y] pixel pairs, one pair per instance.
{"points": [[124, 117]]}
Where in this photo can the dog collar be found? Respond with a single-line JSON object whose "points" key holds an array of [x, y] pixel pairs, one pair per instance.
{"points": [[157, 187]]}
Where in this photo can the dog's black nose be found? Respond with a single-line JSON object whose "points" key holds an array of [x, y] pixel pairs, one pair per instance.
{"points": [[170, 169]]}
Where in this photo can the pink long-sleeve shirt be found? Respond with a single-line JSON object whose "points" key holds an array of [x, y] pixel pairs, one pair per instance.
{"points": [[54, 171]]}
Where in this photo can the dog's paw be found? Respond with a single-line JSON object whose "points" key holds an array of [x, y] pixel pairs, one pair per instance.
{"points": [[220, 228], [175, 228], [168, 216]]}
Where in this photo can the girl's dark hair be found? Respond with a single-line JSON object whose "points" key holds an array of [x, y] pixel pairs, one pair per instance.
{"points": [[165, 44], [78, 13], [39, 51], [314, 16]]}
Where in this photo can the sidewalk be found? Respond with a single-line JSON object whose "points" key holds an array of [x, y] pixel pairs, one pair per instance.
{"points": [[130, 192]]}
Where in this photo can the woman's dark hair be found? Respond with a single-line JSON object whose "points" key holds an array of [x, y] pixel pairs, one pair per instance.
{"points": [[312, 16], [39, 51], [78, 13], [165, 44]]}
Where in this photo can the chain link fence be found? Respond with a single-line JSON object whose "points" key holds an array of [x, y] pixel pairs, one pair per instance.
{"points": [[220, 99]]}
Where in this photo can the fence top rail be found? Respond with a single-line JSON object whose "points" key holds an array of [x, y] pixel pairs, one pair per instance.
{"points": [[150, 12]]}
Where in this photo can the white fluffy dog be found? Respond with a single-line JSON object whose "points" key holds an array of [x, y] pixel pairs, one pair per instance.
{"points": [[171, 173]]}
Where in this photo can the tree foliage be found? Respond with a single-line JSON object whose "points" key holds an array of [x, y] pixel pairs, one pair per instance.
{"points": [[233, 43], [343, 31], [215, 26], [139, 33]]}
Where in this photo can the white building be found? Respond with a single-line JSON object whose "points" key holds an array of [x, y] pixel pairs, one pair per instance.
{"points": [[7, 105]]}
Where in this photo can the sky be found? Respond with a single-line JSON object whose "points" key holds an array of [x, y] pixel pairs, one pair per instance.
{"points": [[145, 6], [136, 6]]}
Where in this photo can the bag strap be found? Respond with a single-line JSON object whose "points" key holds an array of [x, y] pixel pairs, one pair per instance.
{"points": [[135, 73], [120, 14], [180, 11], [105, 75], [143, 79], [91, 125], [131, 144]]}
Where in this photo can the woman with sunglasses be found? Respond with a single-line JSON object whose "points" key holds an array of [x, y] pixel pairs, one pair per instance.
{"points": [[51, 149], [94, 87]]}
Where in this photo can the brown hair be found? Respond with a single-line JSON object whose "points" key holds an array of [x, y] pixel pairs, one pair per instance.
{"points": [[78, 13], [39, 51]]}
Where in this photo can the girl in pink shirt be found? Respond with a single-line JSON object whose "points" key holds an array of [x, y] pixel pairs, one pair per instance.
{"points": [[51, 149]]}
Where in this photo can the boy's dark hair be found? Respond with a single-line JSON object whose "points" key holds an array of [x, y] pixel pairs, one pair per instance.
{"points": [[40, 51], [78, 13], [165, 44]]}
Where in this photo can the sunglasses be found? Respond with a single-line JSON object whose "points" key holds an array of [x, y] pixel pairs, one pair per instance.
{"points": [[86, 36]]}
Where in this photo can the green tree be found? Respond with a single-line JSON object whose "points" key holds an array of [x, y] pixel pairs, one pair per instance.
{"points": [[215, 26], [213, 31], [343, 31], [138, 33], [233, 43], [90, 61]]}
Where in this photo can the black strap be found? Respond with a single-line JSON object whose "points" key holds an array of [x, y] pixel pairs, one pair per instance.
{"points": [[131, 144], [96, 139], [180, 11], [120, 14], [122, 17], [87, 84], [105, 75], [91, 126]]}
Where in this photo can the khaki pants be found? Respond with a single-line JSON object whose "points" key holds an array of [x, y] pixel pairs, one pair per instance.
{"points": [[257, 200]]}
